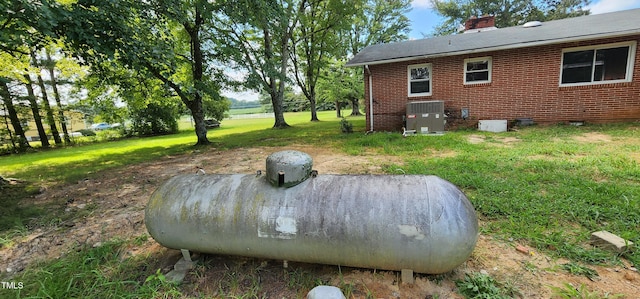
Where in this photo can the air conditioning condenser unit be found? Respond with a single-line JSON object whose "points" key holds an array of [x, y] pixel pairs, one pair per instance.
{"points": [[425, 117]]}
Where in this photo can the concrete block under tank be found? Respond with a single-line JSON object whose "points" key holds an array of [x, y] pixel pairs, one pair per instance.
{"points": [[416, 222]]}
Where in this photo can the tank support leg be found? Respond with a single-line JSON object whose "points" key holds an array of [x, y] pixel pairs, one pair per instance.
{"points": [[181, 268], [186, 255], [407, 276]]}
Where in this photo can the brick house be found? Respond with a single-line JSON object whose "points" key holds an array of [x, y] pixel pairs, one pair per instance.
{"points": [[578, 69]]}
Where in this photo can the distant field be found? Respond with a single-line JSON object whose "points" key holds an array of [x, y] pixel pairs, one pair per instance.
{"points": [[245, 111]]}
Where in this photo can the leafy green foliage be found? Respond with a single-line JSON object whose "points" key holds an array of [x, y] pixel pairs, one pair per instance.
{"points": [[480, 286], [23, 22], [152, 39], [341, 85], [87, 132], [346, 126], [291, 101], [316, 40], [104, 93], [155, 119], [215, 108], [376, 22]]}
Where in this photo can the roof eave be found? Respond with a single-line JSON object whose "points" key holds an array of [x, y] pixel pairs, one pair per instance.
{"points": [[503, 47]]}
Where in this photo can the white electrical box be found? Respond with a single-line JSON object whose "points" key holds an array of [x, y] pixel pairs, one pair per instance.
{"points": [[496, 126]]}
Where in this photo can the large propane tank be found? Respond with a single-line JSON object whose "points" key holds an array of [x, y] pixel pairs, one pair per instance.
{"points": [[415, 222]]}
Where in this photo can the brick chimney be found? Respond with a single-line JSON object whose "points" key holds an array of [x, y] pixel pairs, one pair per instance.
{"points": [[479, 23]]}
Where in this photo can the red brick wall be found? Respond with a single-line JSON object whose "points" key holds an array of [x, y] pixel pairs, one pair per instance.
{"points": [[525, 84]]}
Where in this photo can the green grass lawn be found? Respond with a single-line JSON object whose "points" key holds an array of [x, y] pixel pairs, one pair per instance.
{"points": [[73, 163], [545, 186]]}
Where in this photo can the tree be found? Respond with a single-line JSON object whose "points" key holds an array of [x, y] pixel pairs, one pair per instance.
{"points": [[25, 26], [559, 9], [45, 101], [50, 66], [7, 100], [35, 109], [117, 93], [155, 118], [215, 108], [294, 101], [161, 38], [376, 22], [16, 68], [507, 13], [315, 41], [256, 35], [340, 84]]}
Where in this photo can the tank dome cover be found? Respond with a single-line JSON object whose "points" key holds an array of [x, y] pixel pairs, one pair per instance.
{"points": [[288, 168]]}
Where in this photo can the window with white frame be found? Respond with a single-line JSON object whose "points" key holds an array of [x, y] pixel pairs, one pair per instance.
{"points": [[419, 77], [598, 64], [477, 70]]}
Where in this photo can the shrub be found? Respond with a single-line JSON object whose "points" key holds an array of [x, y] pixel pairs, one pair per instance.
{"points": [[480, 286], [155, 119], [87, 132], [346, 126]]}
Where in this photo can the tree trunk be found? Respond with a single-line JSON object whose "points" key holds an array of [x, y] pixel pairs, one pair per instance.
{"points": [[197, 71], [56, 95], [47, 107], [23, 144], [6, 122], [198, 118], [338, 114], [194, 105], [275, 85], [355, 107], [278, 110], [33, 102], [314, 111], [312, 103]]}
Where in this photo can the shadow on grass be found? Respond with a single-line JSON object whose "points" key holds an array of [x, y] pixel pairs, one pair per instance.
{"points": [[18, 212], [14, 216]]}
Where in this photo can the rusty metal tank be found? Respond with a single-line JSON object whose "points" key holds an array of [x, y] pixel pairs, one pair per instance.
{"points": [[392, 222]]}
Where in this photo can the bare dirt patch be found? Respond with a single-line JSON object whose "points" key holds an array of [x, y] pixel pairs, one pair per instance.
{"points": [[497, 140], [111, 204], [476, 139], [593, 137]]}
